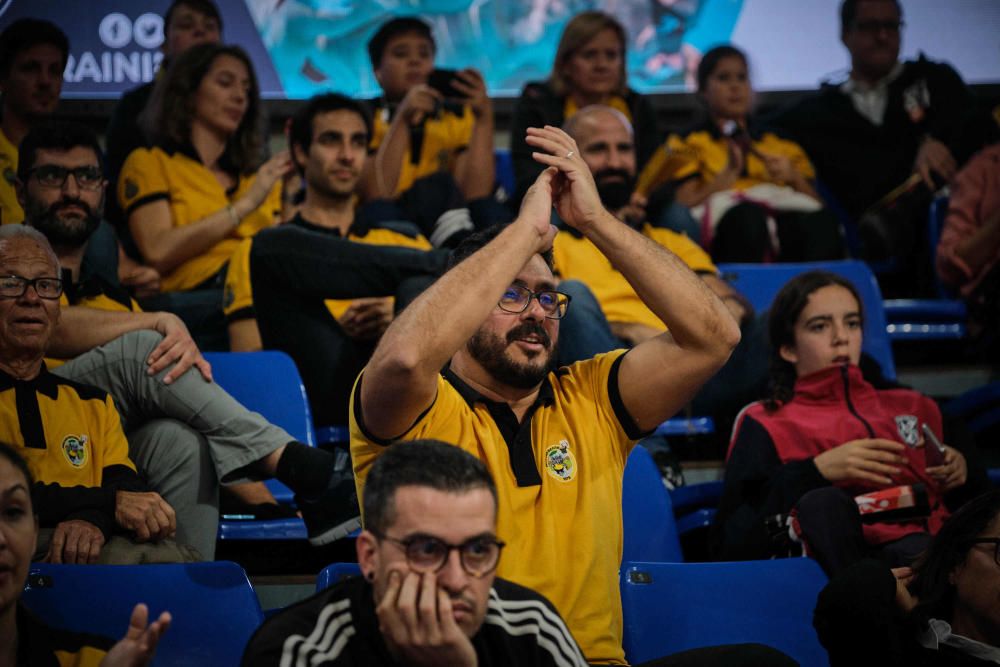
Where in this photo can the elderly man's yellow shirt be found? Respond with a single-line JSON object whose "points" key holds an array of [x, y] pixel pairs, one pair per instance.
{"points": [[576, 258], [559, 481], [192, 192]]}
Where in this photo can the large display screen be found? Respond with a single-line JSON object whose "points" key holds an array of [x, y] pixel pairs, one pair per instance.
{"points": [[301, 47]]}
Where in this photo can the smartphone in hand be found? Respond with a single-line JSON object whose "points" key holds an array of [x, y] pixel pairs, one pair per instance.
{"points": [[442, 80], [933, 449]]}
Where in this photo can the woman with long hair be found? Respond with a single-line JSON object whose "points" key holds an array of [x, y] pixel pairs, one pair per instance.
{"points": [[198, 191], [589, 68], [943, 611], [827, 434]]}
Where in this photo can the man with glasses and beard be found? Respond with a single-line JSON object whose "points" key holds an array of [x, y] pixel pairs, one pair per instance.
{"points": [[186, 434], [429, 594], [555, 441]]}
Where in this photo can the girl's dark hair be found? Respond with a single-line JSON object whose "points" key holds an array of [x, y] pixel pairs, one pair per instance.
{"points": [[14, 457], [712, 59], [948, 549], [171, 108], [785, 311]]}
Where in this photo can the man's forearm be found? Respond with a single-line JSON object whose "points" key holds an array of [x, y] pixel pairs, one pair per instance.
{"points": [[695, 317], [81, 329], [476, 175]]}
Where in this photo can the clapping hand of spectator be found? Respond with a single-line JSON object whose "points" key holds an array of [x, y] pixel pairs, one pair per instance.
{"points": [[574, 192], [367, 318], [146, 514], [137, 647], [76, 542], [934, 158]]}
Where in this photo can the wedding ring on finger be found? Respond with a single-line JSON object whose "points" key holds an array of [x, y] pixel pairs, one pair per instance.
{"points": [[569, 155]]}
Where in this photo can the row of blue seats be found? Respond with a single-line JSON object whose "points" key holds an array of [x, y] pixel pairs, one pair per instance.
{"points": [[668, 605]]}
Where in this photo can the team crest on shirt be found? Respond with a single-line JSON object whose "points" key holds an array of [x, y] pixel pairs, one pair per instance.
{"points": [[75, 449], [906, 426], [131, 189], [560, 462]]}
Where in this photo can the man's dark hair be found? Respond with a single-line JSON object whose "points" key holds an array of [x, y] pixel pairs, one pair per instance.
{"points": [[474, 242], [849, 12], [431, 463], [55, 135], [712, 59], [301, 131], [23, 34], [394, 28], [206, 7]]}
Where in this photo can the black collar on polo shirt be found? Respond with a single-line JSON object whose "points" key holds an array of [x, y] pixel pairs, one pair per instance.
{"points": [[517, 435]]}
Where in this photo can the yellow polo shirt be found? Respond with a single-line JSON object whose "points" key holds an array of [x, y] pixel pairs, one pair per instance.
{"points": [[10, 208], [69, 433], [576, 258], [704, 153], [433, 149], [559, 481], [193, 193], [238, 298]]}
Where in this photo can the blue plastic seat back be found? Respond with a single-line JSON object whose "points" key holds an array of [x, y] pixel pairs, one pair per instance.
{"points": [[504, 166], [671, 607], [761, 282], [647, 515], [935, 224], [214, 608], [334, 572], [269, 383]]}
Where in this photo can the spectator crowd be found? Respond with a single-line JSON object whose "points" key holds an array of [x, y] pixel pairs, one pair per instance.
{"points": [[495, 356]]}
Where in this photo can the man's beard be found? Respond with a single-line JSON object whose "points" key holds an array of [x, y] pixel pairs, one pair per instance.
{"points": [[64, 233], [614, 186], [491, 352]]}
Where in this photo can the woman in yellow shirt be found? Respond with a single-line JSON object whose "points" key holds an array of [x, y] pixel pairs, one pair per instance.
{"points": [[750, 191], [192, 196]]}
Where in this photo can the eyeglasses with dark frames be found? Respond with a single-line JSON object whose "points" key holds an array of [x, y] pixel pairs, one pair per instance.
{"points": [[425, 553], [54, 176], [516, 299], [15, 286], [995, 541]]}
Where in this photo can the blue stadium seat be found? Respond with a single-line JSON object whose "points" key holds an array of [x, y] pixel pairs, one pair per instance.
{"points": [[504, 165], [942, 318], [761, 282], [269, 383], [671, 607], [647, 515], [214, 608], [333, 573]]}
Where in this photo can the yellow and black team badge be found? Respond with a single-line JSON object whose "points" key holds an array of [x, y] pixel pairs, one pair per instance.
{"points": [[560, 462], [75, 449]]}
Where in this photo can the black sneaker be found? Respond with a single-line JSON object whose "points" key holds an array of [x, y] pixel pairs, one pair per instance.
{"points": [[335, 513]]}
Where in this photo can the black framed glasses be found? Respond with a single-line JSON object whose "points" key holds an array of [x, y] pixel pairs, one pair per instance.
{"points": [[54, 176], [517, 298], [16, 286], [875, 27], [426, 553], [995, 541]]}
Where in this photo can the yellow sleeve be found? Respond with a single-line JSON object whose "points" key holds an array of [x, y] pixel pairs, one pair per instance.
{"points": [[687, 250], [237, 300], [673, 161], [143, 180], [593, 377]]}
